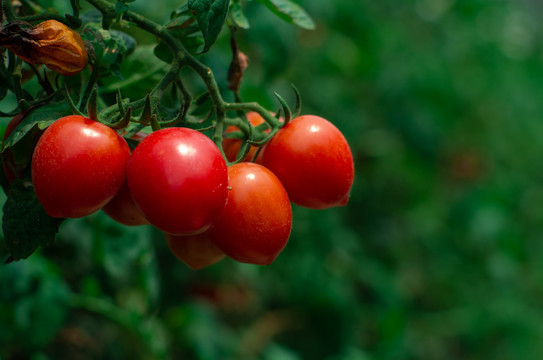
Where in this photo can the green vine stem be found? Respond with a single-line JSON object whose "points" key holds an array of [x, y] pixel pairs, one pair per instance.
{"points": [[255, 136], [183, 58]]}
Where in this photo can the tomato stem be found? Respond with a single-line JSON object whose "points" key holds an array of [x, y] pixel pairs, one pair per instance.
{"points": [[181, 58]]}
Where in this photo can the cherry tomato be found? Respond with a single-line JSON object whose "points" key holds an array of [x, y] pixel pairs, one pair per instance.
{"points": [[196, 251], [178, 178], [255, 224], [313, 161], [123, 209], [78, 166], [231, 146]]}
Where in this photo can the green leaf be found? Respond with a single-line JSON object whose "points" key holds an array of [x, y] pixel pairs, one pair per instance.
{"points": [[181, 10], [140, 72], [128, 41], [237, 16], [110, 47], [290, 12], [41, 117], [25, 223], [211, 15], [38, 286], [120, 8], [192, 44]]}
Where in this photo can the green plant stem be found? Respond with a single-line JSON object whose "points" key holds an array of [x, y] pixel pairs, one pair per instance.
{"points": [[35, 8], [252, 106], [183, 58], [75, 8], [17, 76], [46, 16], [42, 81], [90, 85], [8, 11]]}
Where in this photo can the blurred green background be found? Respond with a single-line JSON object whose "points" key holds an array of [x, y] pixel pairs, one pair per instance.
{"points": [[438, 255]]}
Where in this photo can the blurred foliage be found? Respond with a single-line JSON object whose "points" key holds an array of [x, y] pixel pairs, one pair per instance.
{"points": [[437, 256]]}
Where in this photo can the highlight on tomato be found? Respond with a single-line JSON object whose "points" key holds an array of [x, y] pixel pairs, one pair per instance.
{"points": [[255, 225], [78, 166], [314, 162]]}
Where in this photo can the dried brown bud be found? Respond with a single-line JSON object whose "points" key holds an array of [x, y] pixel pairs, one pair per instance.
{"points": [[239, 63], [50, 43]]}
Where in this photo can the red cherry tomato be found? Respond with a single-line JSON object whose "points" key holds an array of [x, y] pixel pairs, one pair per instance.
{"points": [[313, 161], [255, 224], [231, 146], [196, 251], [178, 179], [123, 209], [78, 166]]}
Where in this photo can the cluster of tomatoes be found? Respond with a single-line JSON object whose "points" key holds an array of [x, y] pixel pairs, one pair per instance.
{"points": [[177, 180]]}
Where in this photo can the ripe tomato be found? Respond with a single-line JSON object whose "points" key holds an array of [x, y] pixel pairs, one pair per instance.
{"points": [[231, 146], [196, 251], [78, 166], [255, 224], [123, 209], [313, 161], [178, 179]]}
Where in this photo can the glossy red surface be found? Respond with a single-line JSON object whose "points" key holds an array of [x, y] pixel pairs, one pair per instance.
{"points": [[313, 161], [78, 166], [178, 179], [255, 224]]}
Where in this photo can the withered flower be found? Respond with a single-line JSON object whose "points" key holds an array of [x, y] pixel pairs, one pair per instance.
{"points": [[50, 43]]}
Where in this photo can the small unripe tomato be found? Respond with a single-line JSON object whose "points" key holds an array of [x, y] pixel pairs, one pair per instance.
{"points": [[313, 160], [255, 224], [78, 165], [178, 179], [196, 251]]}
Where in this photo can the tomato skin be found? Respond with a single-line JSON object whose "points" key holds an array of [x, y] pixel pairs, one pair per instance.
{"points": [[178, 179], [255, 224], [231, 146], [196, 251], [313, 160], [123, 209], [78, 165]]}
